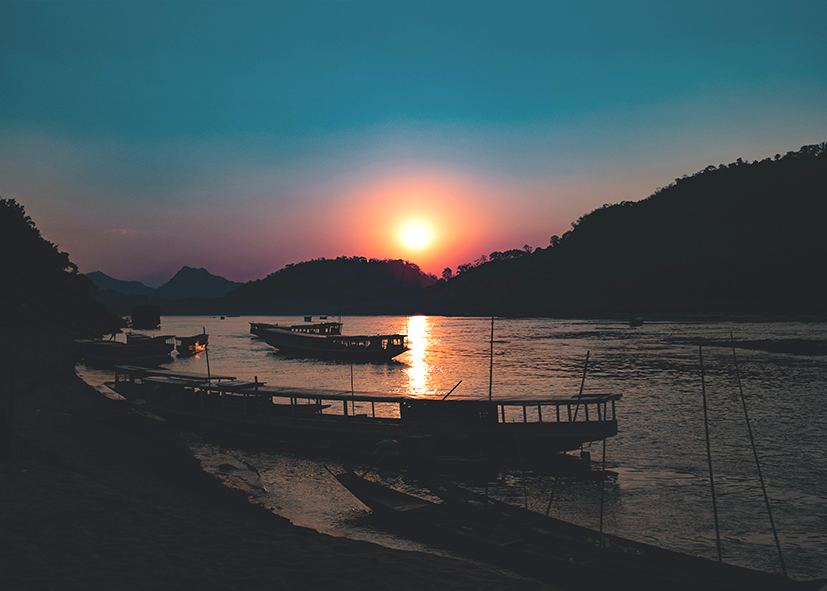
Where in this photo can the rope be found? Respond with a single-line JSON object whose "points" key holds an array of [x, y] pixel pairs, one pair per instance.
{"points": [[757, 463]]}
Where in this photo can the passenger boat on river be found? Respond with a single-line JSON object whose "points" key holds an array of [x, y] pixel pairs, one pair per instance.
{"points": [[325, 340], [353, 424]]}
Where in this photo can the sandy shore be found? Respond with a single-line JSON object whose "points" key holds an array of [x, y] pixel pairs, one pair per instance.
{"points": [[95, 496]]}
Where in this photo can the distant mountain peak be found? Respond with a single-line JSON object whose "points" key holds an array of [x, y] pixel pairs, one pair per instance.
{"points": [[189, 282], [104, 281]]}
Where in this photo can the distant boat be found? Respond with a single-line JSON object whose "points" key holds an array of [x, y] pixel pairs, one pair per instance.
{"points": [[325, 340], [138, 348], [188, 346], [551, 549], [636, 321]]}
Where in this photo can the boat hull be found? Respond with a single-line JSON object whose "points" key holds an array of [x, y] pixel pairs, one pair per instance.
{"points": [[553, 550], [109, 353], [325, 341], [392, 429]]}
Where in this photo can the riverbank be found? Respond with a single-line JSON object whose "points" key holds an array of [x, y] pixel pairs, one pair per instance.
{"points": [[97, 496]]}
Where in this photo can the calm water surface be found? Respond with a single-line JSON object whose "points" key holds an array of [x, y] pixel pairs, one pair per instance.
{"points": [[658, 488]]}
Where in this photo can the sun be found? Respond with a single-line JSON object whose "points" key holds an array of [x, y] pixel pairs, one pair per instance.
{"points": [[416, 236]]}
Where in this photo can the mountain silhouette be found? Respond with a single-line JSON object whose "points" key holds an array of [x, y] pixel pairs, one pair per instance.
{"points": [[354, 285], [104, 281], [195, 283], [743, 238], [737, 239], [186, 283]]}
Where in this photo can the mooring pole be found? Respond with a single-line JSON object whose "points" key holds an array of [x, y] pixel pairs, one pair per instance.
{"points": [[207, 357], [551, 496], [602, 494], [755, 455], [582, 383], [709, 459], [491, 362], [352, 402]]}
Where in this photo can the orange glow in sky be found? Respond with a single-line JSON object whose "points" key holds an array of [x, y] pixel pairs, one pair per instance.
{"points": [[432, 219]]}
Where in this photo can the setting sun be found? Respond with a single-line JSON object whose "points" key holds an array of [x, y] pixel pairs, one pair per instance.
{"points": [[416, 236]]}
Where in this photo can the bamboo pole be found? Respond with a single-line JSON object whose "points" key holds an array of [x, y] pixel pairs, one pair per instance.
{"points": [[757, 463], [582, 383], [491, 362], [709, 459]]}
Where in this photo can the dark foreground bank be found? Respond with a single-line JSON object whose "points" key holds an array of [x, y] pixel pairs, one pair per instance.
{"points": [[92, 495]]}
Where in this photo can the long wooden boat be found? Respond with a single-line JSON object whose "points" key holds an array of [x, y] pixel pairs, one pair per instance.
{"points": [[373, 425], [325, 340], [553, 550], [138, 348]]}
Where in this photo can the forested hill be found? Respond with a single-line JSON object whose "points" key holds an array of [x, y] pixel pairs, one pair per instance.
{"points": [[353, 285], [44, 300], [743, 238]]}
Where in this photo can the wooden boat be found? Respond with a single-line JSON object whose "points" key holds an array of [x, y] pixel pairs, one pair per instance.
{"points": [[323, 328], [189, 346], [325, 340], [352, 424], [553, 550], [138, 348]]}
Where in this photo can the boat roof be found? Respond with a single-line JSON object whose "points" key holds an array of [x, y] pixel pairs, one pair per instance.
{"points": [[336, 337], [149, 371], [201, 380]]}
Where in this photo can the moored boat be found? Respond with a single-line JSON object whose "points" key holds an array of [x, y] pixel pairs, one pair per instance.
{"points": [[138, 348], [353, 424], [188, 346], [325, 340], [553, 550]]}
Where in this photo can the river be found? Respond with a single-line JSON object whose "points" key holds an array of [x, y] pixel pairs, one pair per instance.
{"points": [[658, 488]]}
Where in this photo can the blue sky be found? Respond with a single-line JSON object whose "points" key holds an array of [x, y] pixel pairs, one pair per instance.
{"points": [[242, 136]]}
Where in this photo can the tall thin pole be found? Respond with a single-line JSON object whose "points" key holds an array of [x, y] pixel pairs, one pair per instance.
{"points": [[602, 494], [352, 394], [709, 460], [582, 383], [491, 362], [551, 496], [207, 357], [757, 463]]}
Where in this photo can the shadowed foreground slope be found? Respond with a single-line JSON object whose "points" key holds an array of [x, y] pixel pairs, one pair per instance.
{"points": [[97, 496]]}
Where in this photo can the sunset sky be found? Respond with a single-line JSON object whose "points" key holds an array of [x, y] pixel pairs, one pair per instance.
{"points": [[240, 137]]}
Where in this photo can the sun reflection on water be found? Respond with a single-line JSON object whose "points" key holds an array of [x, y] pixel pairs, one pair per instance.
{"points": [[418, 373]]}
